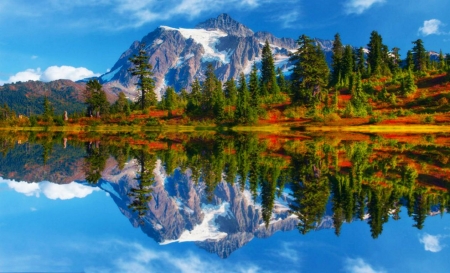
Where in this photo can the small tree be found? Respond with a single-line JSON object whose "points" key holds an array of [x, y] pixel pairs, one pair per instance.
{"points": [[122, 103], [230, 96], [409, 87], [170, 100], [48, 111], [194, 99], [268, 77], [96, 100], [254, 89], [244, 113]]}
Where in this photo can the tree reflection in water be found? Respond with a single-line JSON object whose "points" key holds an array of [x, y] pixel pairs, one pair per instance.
{"points": [[367, 178]]}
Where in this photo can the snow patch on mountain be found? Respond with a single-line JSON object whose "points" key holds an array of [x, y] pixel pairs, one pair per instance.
{"points": [[159, 173], [207, 229], [181, 60], [208, 39], [108, 76], [248, 67], [109, 189], [182, 206]]}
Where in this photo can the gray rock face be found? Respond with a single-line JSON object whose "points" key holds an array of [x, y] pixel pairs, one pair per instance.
{"points": [[178, 56], [227, 24]]}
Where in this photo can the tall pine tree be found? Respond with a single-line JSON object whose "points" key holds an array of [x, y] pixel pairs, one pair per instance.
{"points": [[268, 76], [310, 71], [374, 57], [146, 84], [420, 56], [336, 61]]}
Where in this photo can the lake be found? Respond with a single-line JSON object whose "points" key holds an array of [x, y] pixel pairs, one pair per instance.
{"points": [[224, 202]]}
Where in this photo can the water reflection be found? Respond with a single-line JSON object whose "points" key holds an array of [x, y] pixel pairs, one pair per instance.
{"points": [[222, 190]]}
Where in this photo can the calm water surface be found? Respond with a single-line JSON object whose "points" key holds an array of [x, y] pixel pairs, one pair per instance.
{"points": [[205, 202]]}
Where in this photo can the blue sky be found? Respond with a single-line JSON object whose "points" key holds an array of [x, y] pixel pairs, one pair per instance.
{"points": [[52, 39]]}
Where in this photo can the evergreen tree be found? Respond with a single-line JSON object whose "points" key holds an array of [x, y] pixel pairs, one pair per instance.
{"points": [[374, 57], [282, 82], [409, 85], [208, 90], [336, 61], [183, 99], [230, 96], [254, 89], [347, 65], [96, 100], [231, 92], [447, 60], [219, 102], [146, 84], [409, 61], [394, 62], [170, 100], [48, 110], [386, 61], [243, 110], [268, 77], [359, 98], [360, 63], [310, 72], [442, 65], [194, 98], [420, 56], [121, 105]]}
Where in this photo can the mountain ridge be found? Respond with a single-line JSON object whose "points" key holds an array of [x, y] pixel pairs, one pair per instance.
{"points": [[179, 55]]}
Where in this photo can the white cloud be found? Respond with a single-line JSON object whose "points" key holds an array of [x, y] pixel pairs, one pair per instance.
{"points": [[431, 243], [135, 258], [27, 75], [430, 27], [28, 189], [288, 20], [289, 251], [50, 190], [34, 57], [360, 6], [124, 14], [66, 191], [52, 73], [67, 72], [359, 266]]}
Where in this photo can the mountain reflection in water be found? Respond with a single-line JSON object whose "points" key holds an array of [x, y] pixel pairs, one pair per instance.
{"points": [[222, 190]]}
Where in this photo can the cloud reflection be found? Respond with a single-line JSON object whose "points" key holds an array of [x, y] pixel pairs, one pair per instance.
{"points": [[431, 242], [136, 258], [50, 190], [358, 265]]}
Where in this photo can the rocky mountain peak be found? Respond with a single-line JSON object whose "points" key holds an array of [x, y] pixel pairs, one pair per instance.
{"points": [[227, 24]]}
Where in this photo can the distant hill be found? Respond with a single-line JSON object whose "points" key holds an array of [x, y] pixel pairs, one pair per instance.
{"points": [[28, 97]]}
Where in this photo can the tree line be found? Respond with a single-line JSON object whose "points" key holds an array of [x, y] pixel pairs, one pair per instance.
{"points": [[312, 84]]}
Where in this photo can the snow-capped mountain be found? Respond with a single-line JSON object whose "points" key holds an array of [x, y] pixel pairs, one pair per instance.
{"points": [[179, 55]]}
